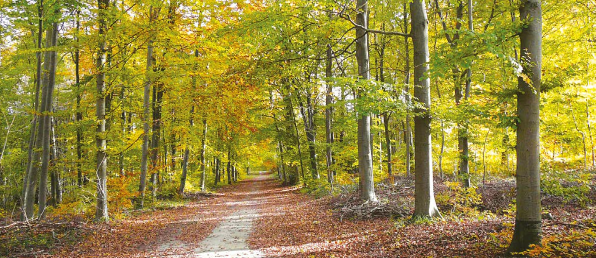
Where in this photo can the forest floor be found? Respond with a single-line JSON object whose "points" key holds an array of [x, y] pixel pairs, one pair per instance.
{"points": [[259, 217]]}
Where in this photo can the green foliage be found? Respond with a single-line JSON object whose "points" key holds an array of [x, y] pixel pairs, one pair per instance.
{"points": [[571, 185], [459, 200]]}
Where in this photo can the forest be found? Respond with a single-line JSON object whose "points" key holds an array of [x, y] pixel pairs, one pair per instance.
{"points": [[330, 128]]}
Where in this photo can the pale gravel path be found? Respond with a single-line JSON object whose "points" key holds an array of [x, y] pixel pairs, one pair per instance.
{"points": [[228, 239]]}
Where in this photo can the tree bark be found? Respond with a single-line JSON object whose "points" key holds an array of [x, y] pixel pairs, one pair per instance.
{"points": [[146, 114], [309, 127], [79, 114], [408, 128], [528, 220], [203, 145], [31, 176], [229, 165], [101, 210], [329, 113], [185, 158], [425, 205], [365, 170], [49, 80]]}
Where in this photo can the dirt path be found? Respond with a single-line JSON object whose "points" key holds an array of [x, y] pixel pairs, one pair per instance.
{"points": [[229, 238]]}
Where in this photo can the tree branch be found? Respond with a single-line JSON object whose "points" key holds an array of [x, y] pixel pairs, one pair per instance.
{"points": [[394, 33]]}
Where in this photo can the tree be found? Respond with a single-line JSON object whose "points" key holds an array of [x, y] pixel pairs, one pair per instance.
{"points": [[528, 219], [365, 165], [31, 175], [425, 205], [101, 211], [146, 113]]}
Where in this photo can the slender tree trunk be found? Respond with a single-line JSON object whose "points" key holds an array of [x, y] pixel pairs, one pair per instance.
{"points": [[146, 114], [156, 133], [229, 165], [528, 220], [101, 211], [185, 158], [408, 128], [329, 112], [590, 129], [123, 131], [366, 182], [425, 205], [57, 188], [283, 164], [309, 128], [217, 169], [290, 115], [31, 176], [79, 114], [203, 145], [388, 145], [49, 84]]}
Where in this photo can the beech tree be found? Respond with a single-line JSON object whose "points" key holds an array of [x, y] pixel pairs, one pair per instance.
{"points": [[425, 199], [528, 219], [365, 162]]}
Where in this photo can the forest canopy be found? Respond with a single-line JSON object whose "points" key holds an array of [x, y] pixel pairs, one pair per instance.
{"points": [[113, 106]]}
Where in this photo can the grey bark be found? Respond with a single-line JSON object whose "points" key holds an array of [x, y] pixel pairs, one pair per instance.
{"points": [[31, 172], [309, 127], [101, 210], [203, 145], [329, 114], [528, 219], [365, 169], [79, 114], [408, 128], [185, 158], [229, 165], [49, 80], [146, 114], [425, 205]]}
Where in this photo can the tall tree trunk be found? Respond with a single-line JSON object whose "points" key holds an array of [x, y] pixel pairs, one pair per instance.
{"points": [[156, 133], [590, 129], [123, 131], [101, 211], [329, 112], [528, 219], [464, 167], [388, 144], [217, 168], [146, 114], [283, 164], [203, 145], [31, 176], [309, 128], [79, 114], [292, 118], [229, 165], [425, 205], [408, 128], [185, 158], [49, 80], [366, 182]]}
